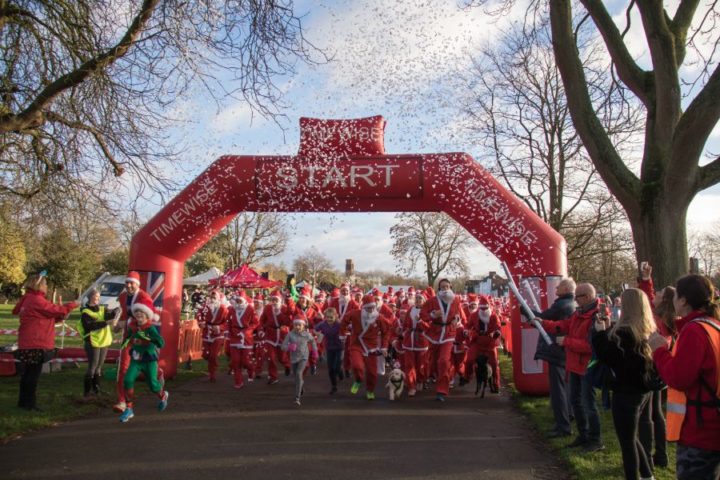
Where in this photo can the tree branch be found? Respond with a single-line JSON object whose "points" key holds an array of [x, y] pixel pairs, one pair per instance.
{"points": [[630, 73], [680, 25]]}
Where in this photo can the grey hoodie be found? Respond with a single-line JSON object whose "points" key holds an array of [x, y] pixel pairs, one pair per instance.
{"points": [[302, 339]]}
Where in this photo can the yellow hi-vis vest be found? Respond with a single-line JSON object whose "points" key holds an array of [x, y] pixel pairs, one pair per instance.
{"points": [[677, 400], [98, 338]]}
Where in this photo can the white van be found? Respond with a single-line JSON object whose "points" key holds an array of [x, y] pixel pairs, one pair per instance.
{"points": [[110, 287]]}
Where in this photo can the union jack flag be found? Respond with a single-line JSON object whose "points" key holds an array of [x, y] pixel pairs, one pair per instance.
{"points": [[154, 284]]}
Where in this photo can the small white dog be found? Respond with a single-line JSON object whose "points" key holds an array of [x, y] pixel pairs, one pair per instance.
{"points": [[396, 382]]}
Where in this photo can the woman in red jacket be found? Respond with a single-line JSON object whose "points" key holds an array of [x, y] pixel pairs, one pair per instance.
{"points": [[692, 368], [36, 335]]}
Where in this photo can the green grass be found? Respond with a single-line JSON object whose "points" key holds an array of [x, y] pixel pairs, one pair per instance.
{"points": [[601, 465]]}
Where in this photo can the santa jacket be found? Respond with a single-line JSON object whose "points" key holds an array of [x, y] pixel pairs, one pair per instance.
{"points": [[241, 324], [442, 329], [335, 303], [412, 331], [275, 327], [577, 336], [693, 358], [369, 338], [37, 320], [213, 321], [482, 336]]}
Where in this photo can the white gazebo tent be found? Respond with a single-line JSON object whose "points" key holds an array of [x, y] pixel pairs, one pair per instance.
{"points": [[203, 278]]}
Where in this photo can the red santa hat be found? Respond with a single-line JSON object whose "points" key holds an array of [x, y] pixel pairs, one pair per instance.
{"points": [[376, 292], [242, 295], [411, 291], [320, 295], [420, 293], [472, 298], [144, 305], [275, 293], [400, 293], [344, 285], [306, 292], [259, 297], [430, 292], [368, 300], [483, 301], [133, 276], [299, 318], [389, 290]]}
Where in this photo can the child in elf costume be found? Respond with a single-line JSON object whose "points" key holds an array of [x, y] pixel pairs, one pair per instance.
{"points": [[145, 344]]}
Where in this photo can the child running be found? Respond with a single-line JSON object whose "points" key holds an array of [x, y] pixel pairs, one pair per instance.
{"points": [[145, 344], [298, 343], [330, 330]]}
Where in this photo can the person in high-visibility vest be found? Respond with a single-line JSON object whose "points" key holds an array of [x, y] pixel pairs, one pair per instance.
{"points": [[95, 327], [692, 373]]}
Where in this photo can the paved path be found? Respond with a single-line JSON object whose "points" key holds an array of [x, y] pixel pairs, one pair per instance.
{"points": [[212, 431]]}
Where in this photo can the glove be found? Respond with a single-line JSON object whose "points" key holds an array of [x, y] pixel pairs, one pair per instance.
{"points": [[526, 313], [496, 334], [292, 347], [384, 352]]}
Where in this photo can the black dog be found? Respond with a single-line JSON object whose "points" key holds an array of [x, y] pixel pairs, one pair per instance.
{"points": [[484, 375]]}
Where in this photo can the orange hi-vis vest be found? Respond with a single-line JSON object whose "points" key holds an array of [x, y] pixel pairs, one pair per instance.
{"points": [[677, 401]]}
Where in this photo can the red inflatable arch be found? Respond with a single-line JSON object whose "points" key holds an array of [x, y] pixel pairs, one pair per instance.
{"points": [[342, 167]]}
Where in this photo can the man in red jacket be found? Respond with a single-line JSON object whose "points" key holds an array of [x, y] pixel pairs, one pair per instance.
{"points": [[573, 335], [275, 322], [242, 321], [441, 315], [212, 318], [369, 338], [130, 296]]}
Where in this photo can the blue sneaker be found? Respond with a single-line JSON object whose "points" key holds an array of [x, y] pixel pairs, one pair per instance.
{"points": [[163, 403], [127, 415]]}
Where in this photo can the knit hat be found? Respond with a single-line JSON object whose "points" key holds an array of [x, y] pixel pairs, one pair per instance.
{"points": [[145, 306], [368, 301], [133, 276]]}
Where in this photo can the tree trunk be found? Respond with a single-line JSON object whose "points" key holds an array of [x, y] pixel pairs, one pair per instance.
{"points": [[660, 236]]}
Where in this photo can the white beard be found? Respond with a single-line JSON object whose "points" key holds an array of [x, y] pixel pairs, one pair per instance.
{"points": [[276, 310], [447, 296], [415, 313], [240, 309], [343, 299], [484, 316], [368, 318], [472, 309]]}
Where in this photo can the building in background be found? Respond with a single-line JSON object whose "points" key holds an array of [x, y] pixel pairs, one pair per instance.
{"points": [[492, 284]]}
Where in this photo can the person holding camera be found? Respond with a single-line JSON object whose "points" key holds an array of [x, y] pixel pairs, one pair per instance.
{"points": [[36, 335], [625, 350]]}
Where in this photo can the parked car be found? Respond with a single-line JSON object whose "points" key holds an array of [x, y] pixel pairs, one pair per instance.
{"points": [[110, 288]]}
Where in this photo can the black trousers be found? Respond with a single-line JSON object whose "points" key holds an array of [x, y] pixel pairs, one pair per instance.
{"points": [[657, 427], [334, 363], [629, 411], [559, 398], [28, 384]]}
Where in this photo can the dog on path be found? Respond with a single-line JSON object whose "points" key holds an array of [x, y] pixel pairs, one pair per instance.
{"points": [[484, 375], [395, 383]]}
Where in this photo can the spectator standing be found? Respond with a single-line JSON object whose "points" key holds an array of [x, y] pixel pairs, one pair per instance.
{"points": [[96, 324], [36, 335], [691, 373], [561, 309], [625, 349], [573, 334]]}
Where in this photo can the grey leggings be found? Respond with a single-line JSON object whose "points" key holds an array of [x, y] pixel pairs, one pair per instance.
{"points": [[96, 358], [298, 368]]}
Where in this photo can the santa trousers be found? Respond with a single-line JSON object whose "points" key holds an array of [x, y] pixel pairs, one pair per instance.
{"points": [[213, 353], [364, 367], [241, 358], [273, 355], [440, 361], [458, 360], [414, 367], [492, 355], [123, 364]]}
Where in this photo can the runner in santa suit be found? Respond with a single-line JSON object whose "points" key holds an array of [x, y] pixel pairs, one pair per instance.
{"points": [[441, 315], [483, 335], [369, 339], [319, 301], [415, 345], [342, 303], [129, 297], [242, 321], [258, 343], [275, 321], [212, 318]]}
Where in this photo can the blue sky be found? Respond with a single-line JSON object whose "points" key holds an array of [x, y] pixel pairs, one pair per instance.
{"points": [[399, 62]]}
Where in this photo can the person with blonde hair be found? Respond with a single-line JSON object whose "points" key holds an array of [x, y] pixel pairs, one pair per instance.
{"points": [[36, 335], [625, 349]]}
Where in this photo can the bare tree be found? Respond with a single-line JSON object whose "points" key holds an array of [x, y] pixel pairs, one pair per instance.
{"points": [[517, 110], [705, 247], [250, 238], [434, 240], [681, 109], [314, 266], [86, 87]]}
